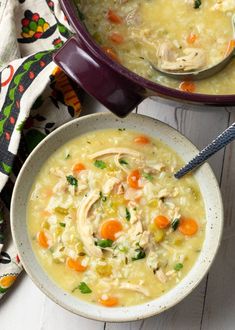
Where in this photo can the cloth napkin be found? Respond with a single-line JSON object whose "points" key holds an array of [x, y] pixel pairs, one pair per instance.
{"points": [[35, 98]]}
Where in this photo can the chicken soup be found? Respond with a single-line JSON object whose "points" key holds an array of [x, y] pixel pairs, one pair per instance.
{"points": [[108, 221], [182, 35]]}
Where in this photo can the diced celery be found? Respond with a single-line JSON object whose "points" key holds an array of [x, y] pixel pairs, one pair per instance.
{"points": [[61, 210], [159, 235], [104, 270], [153, 203], [45, 225]]}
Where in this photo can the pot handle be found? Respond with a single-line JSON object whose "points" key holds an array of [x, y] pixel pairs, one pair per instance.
{"points": [[113, 90]]}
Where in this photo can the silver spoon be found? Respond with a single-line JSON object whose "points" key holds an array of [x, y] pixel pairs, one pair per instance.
{"points": [[202, 74], [221, 141]]}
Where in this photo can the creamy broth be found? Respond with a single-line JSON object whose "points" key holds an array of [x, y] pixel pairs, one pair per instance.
{"points": [[108, 221], [136, 32]]}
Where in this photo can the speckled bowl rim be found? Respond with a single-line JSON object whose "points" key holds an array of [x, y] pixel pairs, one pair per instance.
{"points": [[204, 176]]}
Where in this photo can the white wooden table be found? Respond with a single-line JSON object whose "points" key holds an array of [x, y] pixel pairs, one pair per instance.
{"points": [[211, 306]]}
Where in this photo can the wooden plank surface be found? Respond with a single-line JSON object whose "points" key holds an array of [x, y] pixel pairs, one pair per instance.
{"points": [[211, 306]]}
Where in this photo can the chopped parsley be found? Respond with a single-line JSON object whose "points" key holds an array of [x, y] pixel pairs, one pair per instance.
{"points": [[62, 224], [72, 180], [67, 156], [103, 243], [178, 267], [103, 198], [175, 223], [83, 287], [140, 254], [123, 162], [148, 176], [100, 164], [197, 4], [121, 129], [128, 215]]}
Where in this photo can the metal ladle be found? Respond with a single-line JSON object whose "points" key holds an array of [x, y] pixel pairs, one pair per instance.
{"points": [[202, 74]]}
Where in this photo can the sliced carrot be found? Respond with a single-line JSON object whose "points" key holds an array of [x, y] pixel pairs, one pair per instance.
{"points": [[75, 264], [109, 302], [111, 53], [110, 228], [161, 221], [116, 38], [187, 86], [142, 139], [133, 179], [188, 227], [230, 48], [113, 17], [45, 214], [192, 37], [78, 167], [42, 239]]}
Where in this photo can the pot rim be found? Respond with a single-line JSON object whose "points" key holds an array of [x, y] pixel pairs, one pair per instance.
{"points": [[81, 32]]}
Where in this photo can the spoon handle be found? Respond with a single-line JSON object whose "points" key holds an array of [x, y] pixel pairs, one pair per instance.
{"points": [[221, 141]]}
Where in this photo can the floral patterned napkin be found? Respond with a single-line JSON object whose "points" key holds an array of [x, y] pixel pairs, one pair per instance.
{"points": [[35, 98]]}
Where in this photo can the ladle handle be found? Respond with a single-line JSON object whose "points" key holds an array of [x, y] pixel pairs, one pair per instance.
{"points": [[221, 141]]}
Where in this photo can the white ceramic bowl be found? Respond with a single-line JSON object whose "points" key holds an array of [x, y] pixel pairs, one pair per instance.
{"points": [[204, 176]]}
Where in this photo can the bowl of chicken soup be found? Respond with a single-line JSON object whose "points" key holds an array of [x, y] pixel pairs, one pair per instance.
{"points": [[116, 44], [104, 228]]}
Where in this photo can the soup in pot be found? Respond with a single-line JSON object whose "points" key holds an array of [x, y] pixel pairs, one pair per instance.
{"points": [[108, 221], [182, 35]]}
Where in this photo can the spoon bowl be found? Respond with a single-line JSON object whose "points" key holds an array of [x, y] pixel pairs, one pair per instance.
{"points": [[201, 74]]}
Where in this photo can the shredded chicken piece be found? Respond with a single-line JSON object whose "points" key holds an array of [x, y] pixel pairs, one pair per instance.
{"points": [[133, 17], [131, 194], [57, 171], [144, 239], [119, 151], [224, 5], [83, 226], [194, 58], [161, 275], [163, 193], [135, 230], [153, 169], [117, 163], [170, 273], [134, 287], [109, 185], [166, 52], [120, 189]]}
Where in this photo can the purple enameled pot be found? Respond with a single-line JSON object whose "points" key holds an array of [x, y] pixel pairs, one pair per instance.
{"points": [[117, 88]]}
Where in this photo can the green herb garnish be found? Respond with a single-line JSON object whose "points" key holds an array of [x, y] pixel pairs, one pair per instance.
{"points": [[103, 198], [62, 224], [128, 215], [121, 129], [72, 180], [67, 156], [178, 267], [83, 287], [175, 223], [148, 176], [103, 243], [123, 162], [100, 164], [197, 4], [140, 254]]}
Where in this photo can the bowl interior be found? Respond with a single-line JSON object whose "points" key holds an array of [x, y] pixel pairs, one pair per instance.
{"points": [[204, 176]]}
